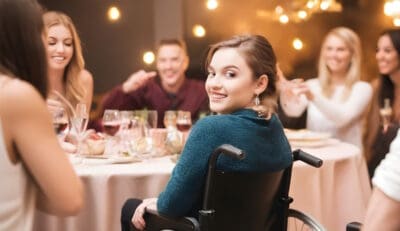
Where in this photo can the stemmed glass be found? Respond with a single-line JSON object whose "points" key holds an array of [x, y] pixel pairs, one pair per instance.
{"points": [[111, 125], [170, 118], [60, 122], [184, 121], [111, 121], [79, 123], [386, 114]]}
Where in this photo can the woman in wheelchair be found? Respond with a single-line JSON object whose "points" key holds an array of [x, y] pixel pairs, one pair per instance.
{"points": [[242, 92]]}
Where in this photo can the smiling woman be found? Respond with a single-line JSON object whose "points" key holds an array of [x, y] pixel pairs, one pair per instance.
{"points": [[241, 89], [337, 100], [66, 71]]}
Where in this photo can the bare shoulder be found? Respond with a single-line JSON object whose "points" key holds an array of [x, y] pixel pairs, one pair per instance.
{"points": [[86, 77], [18, 91]]}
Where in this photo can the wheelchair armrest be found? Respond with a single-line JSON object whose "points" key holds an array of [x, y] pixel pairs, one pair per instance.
{"points": [[156, 221], [353, 226]]}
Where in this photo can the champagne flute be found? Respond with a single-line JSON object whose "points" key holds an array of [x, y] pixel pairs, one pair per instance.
{"points": [[386, 114], [79, 123]]}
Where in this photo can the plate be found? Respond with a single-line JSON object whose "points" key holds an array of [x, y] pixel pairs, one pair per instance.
{"points": [[306, 135], [314, 143], [123, 159]]}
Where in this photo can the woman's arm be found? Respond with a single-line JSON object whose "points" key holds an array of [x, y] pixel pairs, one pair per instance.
{"points": [[343, 113], [87, 81], [28, 126]]}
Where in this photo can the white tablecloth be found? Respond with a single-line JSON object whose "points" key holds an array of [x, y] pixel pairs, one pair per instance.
{"points": [[334, 194], [107, 187], [338, 192]]}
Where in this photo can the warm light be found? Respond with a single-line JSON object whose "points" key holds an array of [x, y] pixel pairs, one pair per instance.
{"points": [[297, 44], [198, 31], [324, 5], [212, 4], [302, 14], [396, 21], [392, 9], [310, 4], [148, 57], [113, 13], [283, 19], [278, 10]]}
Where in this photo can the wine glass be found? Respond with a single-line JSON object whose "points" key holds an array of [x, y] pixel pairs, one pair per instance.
{"points": [[111, 121], [170, 118], [60, 122], [184, 121], [386, 114], [79, 123]]}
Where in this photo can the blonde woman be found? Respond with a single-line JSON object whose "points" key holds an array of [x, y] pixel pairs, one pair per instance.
{"points": [[337, 100], [66, 71]]}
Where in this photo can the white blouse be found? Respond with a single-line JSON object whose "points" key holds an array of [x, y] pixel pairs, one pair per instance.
{"points": [[387, 174], [343, 119]]}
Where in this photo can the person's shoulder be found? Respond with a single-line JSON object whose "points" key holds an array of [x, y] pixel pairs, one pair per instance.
{"points": [[18, 94], [363, 85], [86, 77]]}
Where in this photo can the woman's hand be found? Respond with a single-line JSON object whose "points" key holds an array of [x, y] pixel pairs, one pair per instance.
{"points": [[137, 219]]}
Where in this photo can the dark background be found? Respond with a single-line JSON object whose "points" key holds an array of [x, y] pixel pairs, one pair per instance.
{"points": [[114, 50]]}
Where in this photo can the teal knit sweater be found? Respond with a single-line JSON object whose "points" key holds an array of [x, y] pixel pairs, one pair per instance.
{"points": [[264, 142]]}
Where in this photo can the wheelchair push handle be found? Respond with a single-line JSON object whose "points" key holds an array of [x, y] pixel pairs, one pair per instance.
{"points": [[307, 158], [231, 151]]}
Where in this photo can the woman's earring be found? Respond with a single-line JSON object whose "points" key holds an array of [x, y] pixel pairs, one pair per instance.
{"points": [[257, 100]]}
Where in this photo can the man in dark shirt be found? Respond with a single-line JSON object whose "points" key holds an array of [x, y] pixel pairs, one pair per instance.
{"points": [[167, 90]]}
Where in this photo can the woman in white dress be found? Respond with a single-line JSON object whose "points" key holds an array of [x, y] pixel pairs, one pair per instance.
{"points": [[337, 100]]}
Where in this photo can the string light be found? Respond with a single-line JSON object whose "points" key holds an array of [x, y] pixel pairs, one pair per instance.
{"points": [[199, 31], [392, 9], [212, 4], [113, 13], [148, 57]]}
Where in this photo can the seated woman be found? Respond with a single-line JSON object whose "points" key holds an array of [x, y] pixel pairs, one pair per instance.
{"points": [[337, 100], [34, 170], [241, 90]]}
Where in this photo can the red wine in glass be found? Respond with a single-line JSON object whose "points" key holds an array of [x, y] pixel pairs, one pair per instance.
{"points": [[111, 128], [60, 126], [183, 127]]}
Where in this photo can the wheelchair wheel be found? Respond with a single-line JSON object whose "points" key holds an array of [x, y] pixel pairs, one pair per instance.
{"points": [[300, 221]]}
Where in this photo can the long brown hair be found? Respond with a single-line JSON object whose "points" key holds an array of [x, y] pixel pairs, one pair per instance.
{"points": [[22, 53], [74, 90], [260, 57]]}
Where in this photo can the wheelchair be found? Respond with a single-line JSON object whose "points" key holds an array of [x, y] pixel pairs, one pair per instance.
{"points": [[242, 200]]}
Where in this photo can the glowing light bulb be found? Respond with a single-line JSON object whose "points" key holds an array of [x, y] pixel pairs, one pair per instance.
{"points": [[199, 31], [283, 19], [113, 13], [212, 4], [148, 57], [297, 44]]}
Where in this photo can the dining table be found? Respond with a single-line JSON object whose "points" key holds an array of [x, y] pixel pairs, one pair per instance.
{"points": [[334, 194]]}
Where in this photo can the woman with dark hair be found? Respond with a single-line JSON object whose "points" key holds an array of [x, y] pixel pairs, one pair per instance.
{"points": [[241, 90], [379, 134], [32, 163]]}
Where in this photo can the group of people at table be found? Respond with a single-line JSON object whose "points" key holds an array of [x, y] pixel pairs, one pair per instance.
{"points": [[41, 56]]}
